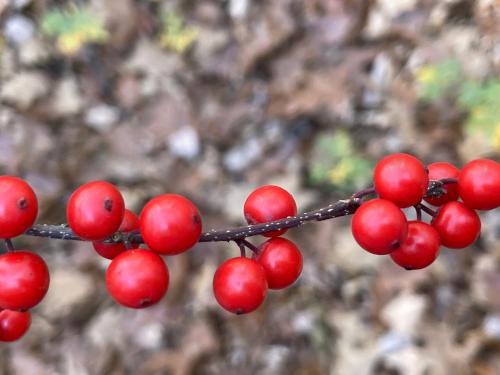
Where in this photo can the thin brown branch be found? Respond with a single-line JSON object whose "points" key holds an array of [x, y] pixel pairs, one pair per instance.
{"points": [[340, 208]]}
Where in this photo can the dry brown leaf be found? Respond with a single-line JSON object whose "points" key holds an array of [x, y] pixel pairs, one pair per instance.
{"points": [[198, 340]]}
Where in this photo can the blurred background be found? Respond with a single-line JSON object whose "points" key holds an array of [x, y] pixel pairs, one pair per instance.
{"points": [[212, 98]]}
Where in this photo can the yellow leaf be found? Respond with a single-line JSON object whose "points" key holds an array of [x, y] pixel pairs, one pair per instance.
{"points": [[496, 138], [175, 35], [426, 74], [69, 44], [340, 172]]}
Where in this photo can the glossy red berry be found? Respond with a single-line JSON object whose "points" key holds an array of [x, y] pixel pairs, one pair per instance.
{"points": [[240, 285], [420, 248], [18, 206], [438, 171], [24, 280], [137, 278], [458, 225], [95, 210], [170, 224], [479, 184], [379, 226], [13, 324], [269, 203], [282, 262], [401, 178], [129, 223]]}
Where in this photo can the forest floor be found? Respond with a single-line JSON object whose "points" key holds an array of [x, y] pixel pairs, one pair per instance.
{"points": [[213, 98]]}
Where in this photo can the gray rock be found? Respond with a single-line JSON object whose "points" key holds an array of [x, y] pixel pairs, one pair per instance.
{"points": [[101, 117], [33, 51], [381, 76], [411, 361], [149, 336], [274, 359], [184, 143], [24, 89], [18, 29], [356, 347], [383, 13], [349, 256], [238, 8], [491, 326], [106, 329], [241, 156], [392, 342], [209, 42], [67, 100], [18, 4], [150, 59], [71, 294], [411, 306], [25, 362]]}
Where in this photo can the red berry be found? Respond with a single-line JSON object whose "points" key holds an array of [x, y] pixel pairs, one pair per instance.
{"points": [[170, 224], [137, 278], [282, 262], [129, 223], [18, 206], [379, 226], [420, 248], [24, 280], [269, 203], [95, 210], [240, 285], [401, 178], [438, 171], [458, 225], [13, 324], [479, 184]]}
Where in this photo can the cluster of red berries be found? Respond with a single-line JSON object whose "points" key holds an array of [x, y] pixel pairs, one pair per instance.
{"points": [[24, 276], [171, 224], [400, 180], [240, 284]]}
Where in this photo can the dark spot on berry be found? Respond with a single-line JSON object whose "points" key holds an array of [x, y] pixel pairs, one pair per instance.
{"points": [[22, 203], [108, 204], [197, 219], [145, 302], [395, 245], [239, 312], [409, 268]]}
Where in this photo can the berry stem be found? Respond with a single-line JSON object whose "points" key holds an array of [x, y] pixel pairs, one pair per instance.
{"points": [[418, 210], [242, 248], [363, 193], [127, 243], [251, 246], [340, 208], [445, 181], [9, 245], [426, 209]]}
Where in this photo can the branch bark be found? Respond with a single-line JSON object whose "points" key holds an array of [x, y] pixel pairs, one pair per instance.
{"points": [[340, 208]]}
